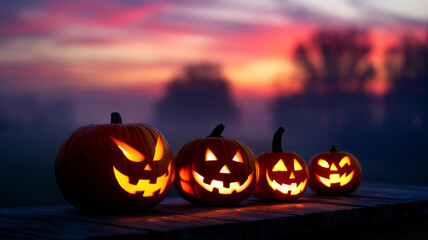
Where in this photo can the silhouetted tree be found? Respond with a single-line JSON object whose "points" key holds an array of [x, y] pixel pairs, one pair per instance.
{"points": [[198, 98], [336, 68], [407, 67], [336, 61]]}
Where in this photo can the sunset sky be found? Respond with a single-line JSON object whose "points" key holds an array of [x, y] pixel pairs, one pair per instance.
{"points": [[57, 45]]}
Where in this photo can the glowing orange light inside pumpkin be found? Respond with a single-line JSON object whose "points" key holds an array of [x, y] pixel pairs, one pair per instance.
{"points": [[297, 166], [129, 152], [209, 155], [292, 189], [158, 149], [323, 163], [184, 180], [333, 167], [238, 157], [224, 169], [344, 161], [279, 166], [234, 186], [335, 177], [183, 173], [143, 185], [187, 187]]}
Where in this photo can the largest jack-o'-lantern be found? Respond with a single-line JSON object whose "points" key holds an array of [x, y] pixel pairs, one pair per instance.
{"points": [[215, 170], [115, 167], [283, 175], [334, 173]]}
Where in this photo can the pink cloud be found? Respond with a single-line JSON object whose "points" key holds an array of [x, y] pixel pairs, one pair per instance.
{"points": [[53, 16], [105, 15]]}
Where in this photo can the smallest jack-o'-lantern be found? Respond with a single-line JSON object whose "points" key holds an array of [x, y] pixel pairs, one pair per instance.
{"points": [[283, 175], [334, 173]]}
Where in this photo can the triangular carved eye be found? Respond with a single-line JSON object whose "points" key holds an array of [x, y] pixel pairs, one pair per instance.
{"points": [[158, 149], [130, 153], [238, 157], [297, 166], [209, 155], [279, 166]]}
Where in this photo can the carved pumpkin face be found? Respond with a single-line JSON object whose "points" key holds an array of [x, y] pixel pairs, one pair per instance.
{"points": [[334, 173], [215, 171], [283, 175], [149, 182], [115, 167]]}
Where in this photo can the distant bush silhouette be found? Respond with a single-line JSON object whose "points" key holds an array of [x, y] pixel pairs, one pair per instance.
{"points": [[198, 98]]}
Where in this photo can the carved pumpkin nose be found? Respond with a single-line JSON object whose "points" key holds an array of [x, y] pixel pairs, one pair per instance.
{"points": [[225, 170], [148, 168], [292, 176], [333, 167]]}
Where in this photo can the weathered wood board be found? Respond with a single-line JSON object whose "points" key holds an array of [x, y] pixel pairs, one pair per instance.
{"points": [[374, 210]]}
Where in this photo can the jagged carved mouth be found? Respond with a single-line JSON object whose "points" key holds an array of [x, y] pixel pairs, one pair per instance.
{"points": [[234, 186], [292, 189], [336, 178], [143, 185]]}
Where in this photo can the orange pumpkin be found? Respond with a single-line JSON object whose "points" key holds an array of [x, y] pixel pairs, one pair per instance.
{"points": [[215, 170], [283, 175], [334, 173], [115, 167]]}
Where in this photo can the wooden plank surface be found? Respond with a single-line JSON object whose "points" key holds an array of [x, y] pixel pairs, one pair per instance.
{"points": [[371, 205]]}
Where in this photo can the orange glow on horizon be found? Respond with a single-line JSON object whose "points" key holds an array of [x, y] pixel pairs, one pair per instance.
{"points": [[378, 87]]}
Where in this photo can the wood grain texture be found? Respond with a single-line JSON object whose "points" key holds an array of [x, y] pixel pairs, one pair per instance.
{"points": [[371, 209]]}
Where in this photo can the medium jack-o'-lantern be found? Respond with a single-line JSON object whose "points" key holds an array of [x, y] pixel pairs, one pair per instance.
{"points": [[215, 170], [283, 175], [115, 167], [334, 173]]}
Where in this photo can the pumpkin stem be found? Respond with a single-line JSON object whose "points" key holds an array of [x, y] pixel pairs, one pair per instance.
{"points": [[333, 148], [217, 131], [276, 142], [115, 118]]}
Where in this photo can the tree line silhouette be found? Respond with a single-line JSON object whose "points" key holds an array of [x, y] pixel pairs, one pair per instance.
{"points": [[336, 66], [334, 107]]}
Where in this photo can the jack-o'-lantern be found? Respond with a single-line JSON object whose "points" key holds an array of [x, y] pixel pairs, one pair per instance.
{"points": [[283, 175], [215, 170], [115, 167], [334, 173]]}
